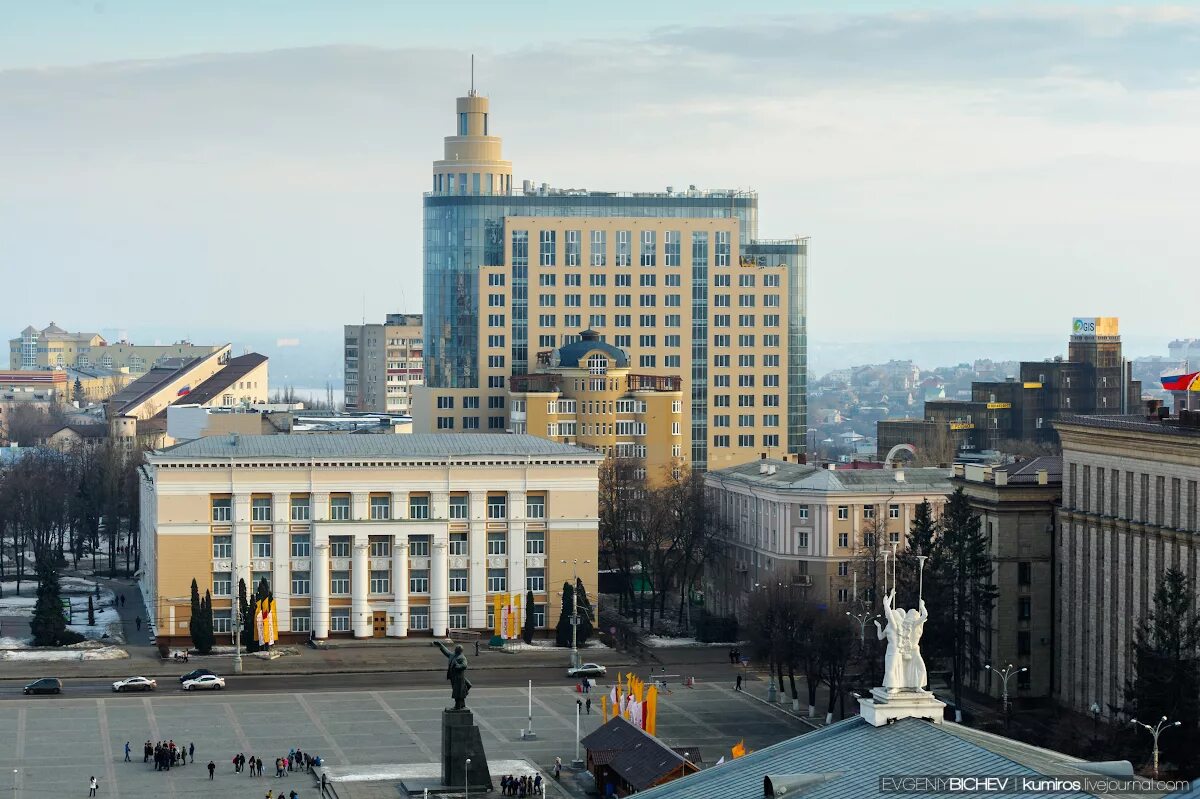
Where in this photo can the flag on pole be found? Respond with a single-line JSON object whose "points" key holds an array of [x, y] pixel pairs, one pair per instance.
{"points": [[604, 707], [739, 749]]}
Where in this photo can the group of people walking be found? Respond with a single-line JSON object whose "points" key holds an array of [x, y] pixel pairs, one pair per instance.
{"points": [[294, 760], [521, 786]]}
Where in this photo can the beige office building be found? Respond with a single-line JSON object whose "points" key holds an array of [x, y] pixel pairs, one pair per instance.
{"points": [[809, 526], [1129, 512], [383, 364], [676, 279], [53, 347], [367, 535]]}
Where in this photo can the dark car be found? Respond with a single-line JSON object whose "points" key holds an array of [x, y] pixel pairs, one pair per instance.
{"points": [[46, 685], [193, 674]]}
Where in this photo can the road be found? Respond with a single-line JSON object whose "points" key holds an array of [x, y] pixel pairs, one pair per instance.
{"points": [[433, 678]]}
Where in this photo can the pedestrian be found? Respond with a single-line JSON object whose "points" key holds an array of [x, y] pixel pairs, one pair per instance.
{"points": [[127, 750], [212, 768], [122, 600], [147, 750], [738, 685], [268, 793], [138, 621], [92, 786], [250, 762], [476, 649], [557, 767], [192, 750], [293, 794], [588, 705]]}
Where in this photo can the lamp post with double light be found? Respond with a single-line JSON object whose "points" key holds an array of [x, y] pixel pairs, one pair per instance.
{"points": [[1158, 729], [1006, 674]]}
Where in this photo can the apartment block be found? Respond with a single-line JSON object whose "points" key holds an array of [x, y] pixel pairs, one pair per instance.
{"points": [[367, 536], [53, 347], [678, 280], [383, 363]]}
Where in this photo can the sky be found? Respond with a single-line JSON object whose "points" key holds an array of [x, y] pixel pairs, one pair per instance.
{"points": [[965, 170]]}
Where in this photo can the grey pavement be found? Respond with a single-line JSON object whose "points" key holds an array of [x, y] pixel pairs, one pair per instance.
{"points": [[56, 744]]}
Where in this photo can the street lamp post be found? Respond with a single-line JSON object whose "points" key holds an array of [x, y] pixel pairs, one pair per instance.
{"points": [[862, 619], [1158, 729], [574, 611], [467, 778], [1006, 674]]}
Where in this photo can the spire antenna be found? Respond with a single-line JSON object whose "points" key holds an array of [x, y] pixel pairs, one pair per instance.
{"points": [[472, 74]]}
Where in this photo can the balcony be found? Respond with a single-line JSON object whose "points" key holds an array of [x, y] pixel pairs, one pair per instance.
{"points": [[538, 383], [652, 383]]}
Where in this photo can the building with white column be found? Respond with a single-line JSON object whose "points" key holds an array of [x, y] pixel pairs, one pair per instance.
{"points": [[366, 536]]}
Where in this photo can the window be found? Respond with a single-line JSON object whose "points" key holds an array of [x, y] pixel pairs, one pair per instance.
{"points": [[495, 402], [573, 247], [599, 247], [843, 540], [539, 615], [458, 617], [418, 546], [301, 545], [222, 547], [458, 544], [648, 248], [418, 507], [458, 507], [470, 423], [535, 543], [222, 583], [1024, 573], [339, 583], [381, 508], [418, 581], [381, 582], [445, 403], [1024, 608], [381, 547], [869, 540], [260, 509], [535, 580], [445, 423], [495, 279], [843, 595], [497, 544], [1023, 642], [802, 540], [339, 508], [339, 621], [803, 511], [257, 578], [222, 623], [301, 583], [339, 546], [497, 580], [869, 512], [546, 248], [458, 581], [301, 622], [222, 509], [893, 511], [497, 506], [260, 546], [300, 509], [843, 568], [843, 512], [720, 441]]}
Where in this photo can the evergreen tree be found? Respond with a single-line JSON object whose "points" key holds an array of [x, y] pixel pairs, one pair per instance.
{"points": [[196, 622], [562, 633], [91, 612], [48, 626], [210, 637], [962, 569], [587, 616], [249, 637], [527, 629], [1167, 668], [77, 392]]}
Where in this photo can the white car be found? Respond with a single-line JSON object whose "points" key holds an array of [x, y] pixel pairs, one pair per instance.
{"points": [[134, 684], [587, 670], [205, 682]]}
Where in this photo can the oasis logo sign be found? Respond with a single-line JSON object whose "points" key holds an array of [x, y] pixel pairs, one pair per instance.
{"points": [[1084, 326]]}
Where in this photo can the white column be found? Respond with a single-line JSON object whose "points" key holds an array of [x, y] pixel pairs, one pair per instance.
{"points": [[439, 589], [240, 537], [359, 507], [281, 550], [360, 572], [516, 546], [477, 575], [320, 589], [400, 586]]}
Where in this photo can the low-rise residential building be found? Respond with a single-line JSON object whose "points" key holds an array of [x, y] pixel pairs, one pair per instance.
{"points": [[1016, 504], [362, 535], [811, 526], [584, 393], [383, 363], [1129, 513]]}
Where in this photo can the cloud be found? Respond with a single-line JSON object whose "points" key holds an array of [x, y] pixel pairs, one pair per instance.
{"points": [[933, 158]]}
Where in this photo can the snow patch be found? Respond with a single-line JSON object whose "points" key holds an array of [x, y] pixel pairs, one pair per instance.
{"points": [[66, 654], [663, 642]]}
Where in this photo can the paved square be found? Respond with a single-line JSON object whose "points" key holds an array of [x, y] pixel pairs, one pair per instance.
{"points": [[56, 744]]}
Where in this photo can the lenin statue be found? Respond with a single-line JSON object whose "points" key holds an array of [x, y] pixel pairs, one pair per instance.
{"points": [[456, 673]]}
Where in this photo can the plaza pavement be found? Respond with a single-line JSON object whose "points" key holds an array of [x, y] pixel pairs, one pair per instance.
{"points": [[56, 744]]}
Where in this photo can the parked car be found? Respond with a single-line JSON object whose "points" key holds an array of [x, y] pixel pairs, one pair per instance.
{"points": [[46, 685], [205, 682], [587, 670], [193, 674], [135, 684]]}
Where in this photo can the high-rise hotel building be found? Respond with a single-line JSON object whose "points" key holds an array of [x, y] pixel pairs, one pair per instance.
{"points": [[676, 279]]}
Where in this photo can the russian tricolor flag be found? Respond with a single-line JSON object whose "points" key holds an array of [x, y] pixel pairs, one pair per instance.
{"points": [[1180, 382], [184, 391]]}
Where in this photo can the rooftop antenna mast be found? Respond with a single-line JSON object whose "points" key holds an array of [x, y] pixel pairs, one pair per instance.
{"points": [[472, 75]]}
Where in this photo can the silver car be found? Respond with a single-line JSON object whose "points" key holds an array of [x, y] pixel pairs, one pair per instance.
{"points": [[205, 682], [134, 684]]}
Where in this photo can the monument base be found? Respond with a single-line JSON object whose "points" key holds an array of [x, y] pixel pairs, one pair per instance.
{"points": [[461, 740], [886, 706]]}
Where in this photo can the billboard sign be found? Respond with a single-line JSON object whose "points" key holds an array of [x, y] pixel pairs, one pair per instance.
{"points": [[1092, 326]]}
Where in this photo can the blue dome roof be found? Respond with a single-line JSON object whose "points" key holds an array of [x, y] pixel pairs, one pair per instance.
{"points": [[589, 341]]}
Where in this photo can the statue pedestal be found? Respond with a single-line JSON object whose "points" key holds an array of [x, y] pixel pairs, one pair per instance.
{"points": [[461, 740], [885, 706]]}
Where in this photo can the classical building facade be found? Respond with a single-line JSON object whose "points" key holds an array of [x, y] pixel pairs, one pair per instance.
{"points": [[383, 363], [367, 535], [53, 347], [811, 526], [678, 280], [1129, 513], [1016, 505]]}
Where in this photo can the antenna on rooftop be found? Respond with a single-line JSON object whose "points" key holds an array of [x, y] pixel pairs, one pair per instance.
{"points": [[472, 94]]}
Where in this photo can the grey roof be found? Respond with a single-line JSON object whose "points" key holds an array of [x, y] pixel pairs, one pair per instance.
{"points": [[348, 445], [1137, 423], [803, 476], [854, 755], [213, 387], [1026, 471], [638, 757], [589, 340]]}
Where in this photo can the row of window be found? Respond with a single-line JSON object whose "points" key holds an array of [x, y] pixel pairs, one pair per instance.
{"points": [[746, 440], [868, 511], [598, 250], [381, 547], [472, 422], [495, 402], [339, 619], [380, 507], [380, 581]]}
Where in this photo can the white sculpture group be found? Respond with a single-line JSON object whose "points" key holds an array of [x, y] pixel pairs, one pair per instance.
{"points": [[903, 666]]}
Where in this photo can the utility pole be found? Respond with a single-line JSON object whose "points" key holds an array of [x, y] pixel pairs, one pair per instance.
{"points": [[236, 605]]}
